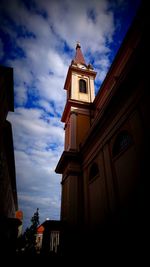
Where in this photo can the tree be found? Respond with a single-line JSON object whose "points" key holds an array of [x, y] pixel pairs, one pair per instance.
{"points": [[30, 233]]}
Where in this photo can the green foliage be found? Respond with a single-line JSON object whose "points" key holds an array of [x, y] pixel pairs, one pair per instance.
{"points": [[35, 221], [28, 239]]}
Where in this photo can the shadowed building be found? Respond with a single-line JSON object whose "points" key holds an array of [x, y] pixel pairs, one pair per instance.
{"points": [[48, 238], [104, 165], [8, 192]]}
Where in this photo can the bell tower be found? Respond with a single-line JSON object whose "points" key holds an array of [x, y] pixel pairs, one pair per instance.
{"points": [[77, 116], [79, 85]]}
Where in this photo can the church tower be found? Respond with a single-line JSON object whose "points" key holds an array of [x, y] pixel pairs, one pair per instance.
{"points": [[77, 116]]}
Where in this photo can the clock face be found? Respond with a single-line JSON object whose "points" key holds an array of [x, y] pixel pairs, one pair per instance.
{"points": [[81, 66]]}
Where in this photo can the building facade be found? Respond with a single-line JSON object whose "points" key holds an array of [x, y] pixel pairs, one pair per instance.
{"points": [[8, 191], [104, 165], [48, 238]]}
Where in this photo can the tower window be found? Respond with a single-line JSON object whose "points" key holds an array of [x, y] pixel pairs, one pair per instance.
{"points": [[82, 86], [94, 171], [122, 142]]}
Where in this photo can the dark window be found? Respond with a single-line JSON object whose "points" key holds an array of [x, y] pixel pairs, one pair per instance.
{"points": [[94, 171], [82, 86], [122, 142]]}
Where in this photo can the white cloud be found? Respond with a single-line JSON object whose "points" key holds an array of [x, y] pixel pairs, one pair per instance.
{"points": [[32, 124], [38, 145], [47, 106], [45, 64], [71, 21]]}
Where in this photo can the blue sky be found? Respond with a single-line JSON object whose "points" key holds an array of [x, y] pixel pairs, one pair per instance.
{"points": [[38, 39]]}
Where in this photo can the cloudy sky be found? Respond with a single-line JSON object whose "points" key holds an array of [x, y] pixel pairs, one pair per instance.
{"points": [[38, 39]]}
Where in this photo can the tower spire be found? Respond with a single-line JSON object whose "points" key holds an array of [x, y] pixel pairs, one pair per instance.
{"points": [[79, 58]]}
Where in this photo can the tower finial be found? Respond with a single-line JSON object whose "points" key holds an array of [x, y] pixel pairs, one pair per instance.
{"points": [[78, 45]]}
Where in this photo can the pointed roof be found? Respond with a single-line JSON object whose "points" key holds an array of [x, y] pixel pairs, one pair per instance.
{"points": [[79, 56]]}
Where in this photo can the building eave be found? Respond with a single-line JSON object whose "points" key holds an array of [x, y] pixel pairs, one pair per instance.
{"points": [[87, 72], [74, 103], [67, 156]]}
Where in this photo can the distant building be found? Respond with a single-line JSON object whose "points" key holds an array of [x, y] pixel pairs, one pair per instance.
{"points": [[48, 237], [19, 216], [8, 192], [39, 238], [105, 166]]}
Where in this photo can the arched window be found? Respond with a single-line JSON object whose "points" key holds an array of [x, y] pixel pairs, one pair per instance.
{"points": [[82, 86], [122, 142], [94, 171]]}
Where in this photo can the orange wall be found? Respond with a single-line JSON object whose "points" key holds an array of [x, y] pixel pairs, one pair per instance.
{"points": [[83, 125]]}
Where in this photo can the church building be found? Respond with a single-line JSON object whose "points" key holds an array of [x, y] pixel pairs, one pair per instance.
{"points": [[104, 164]]}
